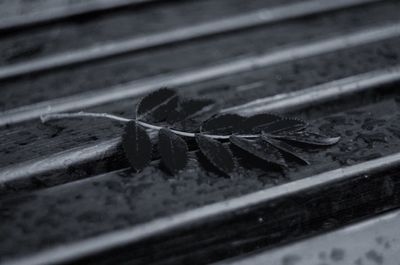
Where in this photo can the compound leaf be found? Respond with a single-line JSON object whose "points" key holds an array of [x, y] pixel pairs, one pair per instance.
{"points": [[156, 106], [215, 152], [173, 150], [307, 138], [259, 149], [284, 147], [137, 145]]}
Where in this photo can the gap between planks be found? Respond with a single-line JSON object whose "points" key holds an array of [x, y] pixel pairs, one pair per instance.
{"points": [[240, 22], [140, 87], [98, 244], [279, 103]]}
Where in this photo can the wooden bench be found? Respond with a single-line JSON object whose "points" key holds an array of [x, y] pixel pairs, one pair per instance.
{"points": [[67, 194]]}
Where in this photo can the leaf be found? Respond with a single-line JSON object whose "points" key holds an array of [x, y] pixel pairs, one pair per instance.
{"points": [[259, 149], [224, 124], [137, 145], [307, 138], [285, 124], [227, 124], [189, 109], [218, 155], [189, 125], [255, 123], [173, 150], [156, 106], [190, 114], [284, 147]]}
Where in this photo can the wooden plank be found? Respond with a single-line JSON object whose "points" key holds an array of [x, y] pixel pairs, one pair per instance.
{"points": [[372, 241], [122, 199], [95, 46], [216, 53]]}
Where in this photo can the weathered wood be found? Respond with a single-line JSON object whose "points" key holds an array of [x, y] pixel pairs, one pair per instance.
{"points": [[95, 44], [78, 210], [207, 58], [372, 241], [47, 169], [122, 26], [132, 89], [320, 94], [281, 220], [28, 142], [198, 216], [21, 14]]}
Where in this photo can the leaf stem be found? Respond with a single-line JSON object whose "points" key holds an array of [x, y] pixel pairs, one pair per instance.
{"points": [[57, 116]]}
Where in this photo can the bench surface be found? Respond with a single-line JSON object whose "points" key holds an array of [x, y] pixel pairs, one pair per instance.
{"points": [[68, 195]]}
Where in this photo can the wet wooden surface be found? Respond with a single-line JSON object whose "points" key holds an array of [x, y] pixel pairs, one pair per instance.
{"points": [[67, 183], [372, 241]]}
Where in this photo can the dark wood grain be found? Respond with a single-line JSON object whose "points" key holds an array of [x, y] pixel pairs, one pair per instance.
{"points": [[33, 140], [282, 220], [77, 202], [72, 212], [374, 240], [17, 15], [168, 37], [117, 26], [186, 56]]}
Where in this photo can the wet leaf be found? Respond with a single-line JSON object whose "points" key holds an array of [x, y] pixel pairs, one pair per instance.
{"points": [[173, 150], [224, 124], [255, 123], [218, 155], [284, 147], [156, 106], [137, 145], [191, 113], [285, 124], [189, 125], [306, 138], [260, 149], [190, 108]]}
